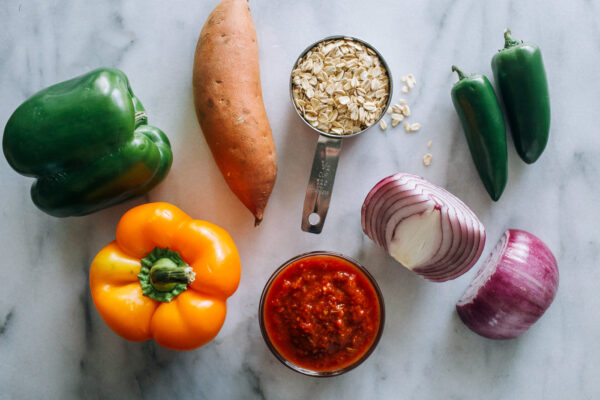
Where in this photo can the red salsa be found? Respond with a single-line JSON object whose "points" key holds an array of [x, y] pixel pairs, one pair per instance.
{"points": [[322, 313]]}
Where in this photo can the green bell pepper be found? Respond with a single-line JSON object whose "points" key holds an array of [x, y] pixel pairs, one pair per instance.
{"points": [[521, 79], [87, 142], [477, 107]]}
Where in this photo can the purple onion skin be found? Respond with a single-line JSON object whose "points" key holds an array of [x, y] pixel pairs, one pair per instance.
{"points": [[517, 293]]}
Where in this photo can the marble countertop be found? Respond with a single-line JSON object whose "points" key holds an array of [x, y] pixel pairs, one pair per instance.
{"points": [[53, 343]]}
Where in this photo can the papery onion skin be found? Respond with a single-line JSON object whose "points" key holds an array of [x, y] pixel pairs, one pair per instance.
{"points": [[401, 196], [513, 289]]}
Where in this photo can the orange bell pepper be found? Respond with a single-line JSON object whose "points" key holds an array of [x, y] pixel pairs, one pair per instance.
{"points": [[166, 277]]}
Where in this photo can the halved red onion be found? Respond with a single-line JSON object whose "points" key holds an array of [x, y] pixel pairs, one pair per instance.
{"points": [[513, 289], [424, 227]]}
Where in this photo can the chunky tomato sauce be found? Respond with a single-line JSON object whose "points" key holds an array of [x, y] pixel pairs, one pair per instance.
{"points": [[322, 313]]}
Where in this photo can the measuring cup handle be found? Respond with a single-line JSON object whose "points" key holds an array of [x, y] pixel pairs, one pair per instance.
{"points": [[320, 184]]}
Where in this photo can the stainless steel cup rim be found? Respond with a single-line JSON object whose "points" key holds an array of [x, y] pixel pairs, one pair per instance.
{"points": [[383, 62]]}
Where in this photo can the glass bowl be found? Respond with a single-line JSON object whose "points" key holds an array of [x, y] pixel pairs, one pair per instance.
{"points": [[350, 265]]}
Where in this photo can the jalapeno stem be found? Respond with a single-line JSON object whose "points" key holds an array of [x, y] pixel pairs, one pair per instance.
{"points": [[461, 74], [508, 39]]}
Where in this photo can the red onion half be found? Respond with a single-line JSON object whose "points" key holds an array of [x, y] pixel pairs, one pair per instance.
{"points": [[512, 290], [424, 227]]}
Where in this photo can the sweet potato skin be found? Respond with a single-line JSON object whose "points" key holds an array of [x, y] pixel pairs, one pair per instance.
{"points": [[229, 104]]}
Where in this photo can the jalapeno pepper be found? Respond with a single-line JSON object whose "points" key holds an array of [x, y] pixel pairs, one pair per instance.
{"points": [[477, 107], [521, 79]]}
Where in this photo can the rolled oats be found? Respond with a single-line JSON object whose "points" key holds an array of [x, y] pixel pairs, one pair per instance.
{"points": [[397, 117], [427, 159], [340, 86]]}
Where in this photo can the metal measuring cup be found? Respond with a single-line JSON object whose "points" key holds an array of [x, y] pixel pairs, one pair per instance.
{"points": [[329, 145]]}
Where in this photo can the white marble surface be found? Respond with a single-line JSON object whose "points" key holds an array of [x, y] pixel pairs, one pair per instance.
{"points": [[53, 343]]}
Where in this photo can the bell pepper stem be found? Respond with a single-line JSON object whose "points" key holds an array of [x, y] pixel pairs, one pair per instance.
{"points": [[141, 117], [461, 74], [509, 41], [164, 275], [166, 271]]}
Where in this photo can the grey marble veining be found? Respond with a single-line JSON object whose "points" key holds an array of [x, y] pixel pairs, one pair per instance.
{"points": [[53, 343]]}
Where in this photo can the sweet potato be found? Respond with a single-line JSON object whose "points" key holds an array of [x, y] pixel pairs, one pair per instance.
{"points": [[229, 104]]}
